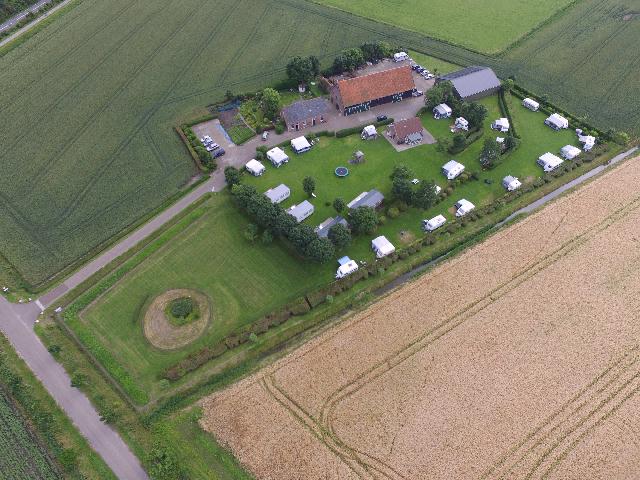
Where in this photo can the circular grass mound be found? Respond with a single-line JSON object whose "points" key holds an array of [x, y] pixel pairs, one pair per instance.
{"points": [[176, 318]]}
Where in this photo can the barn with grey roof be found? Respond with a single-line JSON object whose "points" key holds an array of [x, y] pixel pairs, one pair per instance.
{"points": [[473, 83], [305, 113]]}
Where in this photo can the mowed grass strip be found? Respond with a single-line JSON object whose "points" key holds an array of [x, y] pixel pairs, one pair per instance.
{"points": [[242, 280], [488, 26]]}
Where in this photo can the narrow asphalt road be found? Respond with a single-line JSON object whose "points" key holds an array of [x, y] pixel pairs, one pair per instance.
{"points": [[11, 22], [16, 18]]}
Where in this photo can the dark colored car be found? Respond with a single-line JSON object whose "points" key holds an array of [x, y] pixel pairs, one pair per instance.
{"points": [[219, 152], [381, 118]]}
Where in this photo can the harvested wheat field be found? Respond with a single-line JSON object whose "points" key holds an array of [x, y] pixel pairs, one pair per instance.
{"points": [[516, 359]]}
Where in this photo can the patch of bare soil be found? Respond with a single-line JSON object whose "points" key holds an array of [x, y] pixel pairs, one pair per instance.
{"points": [[161, 333], [516, 359]]}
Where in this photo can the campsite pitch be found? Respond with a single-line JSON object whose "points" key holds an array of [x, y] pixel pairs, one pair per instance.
{"points": [[517, 359]]}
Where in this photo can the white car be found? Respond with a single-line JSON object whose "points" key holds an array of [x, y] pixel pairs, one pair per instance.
{"points": [[417, 93], [415, 181]]}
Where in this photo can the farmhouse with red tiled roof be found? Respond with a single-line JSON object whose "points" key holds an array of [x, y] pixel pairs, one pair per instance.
{"points": [[407, 131], [359, 94]]}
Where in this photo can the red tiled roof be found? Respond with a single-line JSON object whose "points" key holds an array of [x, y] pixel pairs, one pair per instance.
{"points": [[375, 85], [403, 128]]}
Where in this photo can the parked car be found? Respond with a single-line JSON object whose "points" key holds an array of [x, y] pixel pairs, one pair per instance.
{"points": [[218, 153], [430, 76], [381, 118], [417, 93], [265, 135]]}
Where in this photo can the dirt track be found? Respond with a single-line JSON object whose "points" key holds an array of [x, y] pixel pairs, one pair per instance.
{"points": [[517, 359]]}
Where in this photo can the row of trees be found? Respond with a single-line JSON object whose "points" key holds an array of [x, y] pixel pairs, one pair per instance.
{"points": [[424, 196], [354, 58], [279, 223]]}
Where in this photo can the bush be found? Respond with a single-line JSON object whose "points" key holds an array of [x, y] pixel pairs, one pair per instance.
{"points": [[280, 129], [181, 307], [393, 212]]}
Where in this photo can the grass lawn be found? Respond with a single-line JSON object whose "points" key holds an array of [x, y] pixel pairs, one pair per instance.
{"points": [[242, 280], [434, 65], [424, 160], [488, 26]]}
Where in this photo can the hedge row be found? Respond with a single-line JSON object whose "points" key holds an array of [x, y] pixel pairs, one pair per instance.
{"points": [[350, 131], [504, 108]]}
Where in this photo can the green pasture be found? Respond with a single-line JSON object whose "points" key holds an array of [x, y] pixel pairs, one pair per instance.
{"points": [[242, 280], [485, 25]]}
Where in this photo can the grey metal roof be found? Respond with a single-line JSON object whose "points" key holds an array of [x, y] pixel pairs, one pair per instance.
{"points": [[373, 199], [304, 109], [301, 211], [275, 194], [471, 81], [323, 229]]}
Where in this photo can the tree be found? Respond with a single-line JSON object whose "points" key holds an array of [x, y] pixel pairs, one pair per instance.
{"points": [[458, 143], [402, 189], [401, 171], [508, 84], [320, 250], [490, 153], [266, 237], [375, 51], [348, 60], [440, 93], [309, 185], [363, 220], [425, 196], [511, 142], [339, 235], [231, 176], [339, 205], [475, 113], [303, 69], [163, 464], [251, 232], [443, 144], [270, 102]]}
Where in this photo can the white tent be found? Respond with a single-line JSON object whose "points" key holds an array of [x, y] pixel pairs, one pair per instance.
{"points": [[300, 145], [278, 194], [511, 183], [531, 104], [501, 124], [463, 207], [382, 247], [400, 56], [347, 269], [462, 123], [452, 169], [369, 132], [587, 141], [557, 122], [435, 222], [277, 156], [570, 152], [442, 111], [549, 162], [255, 168]]}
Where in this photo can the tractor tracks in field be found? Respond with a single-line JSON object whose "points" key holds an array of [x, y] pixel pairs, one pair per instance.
{"points": [[542, 450]]}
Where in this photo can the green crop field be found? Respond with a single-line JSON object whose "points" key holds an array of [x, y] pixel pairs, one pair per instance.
{"points": [[485, 25], [245, 280], [22, 455], [88, 105]]}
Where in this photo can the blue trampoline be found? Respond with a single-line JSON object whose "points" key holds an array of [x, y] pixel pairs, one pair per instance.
{"points": [[342, 172]]}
